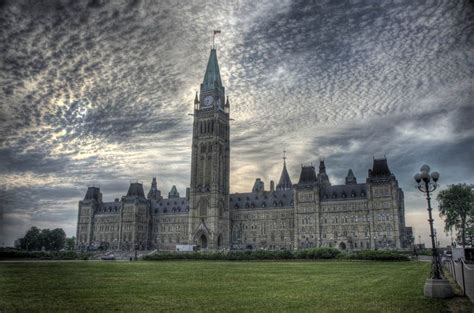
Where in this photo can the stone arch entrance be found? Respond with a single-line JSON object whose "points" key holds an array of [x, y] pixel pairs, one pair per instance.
{"points": [[342, 246], [203, 241]]}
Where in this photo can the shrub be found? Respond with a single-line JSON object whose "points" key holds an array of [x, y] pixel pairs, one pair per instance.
{"points": [[377, 255], [43, 255]]}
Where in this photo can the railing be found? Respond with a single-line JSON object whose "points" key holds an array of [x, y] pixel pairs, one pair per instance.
{"points": [[463, 275]]}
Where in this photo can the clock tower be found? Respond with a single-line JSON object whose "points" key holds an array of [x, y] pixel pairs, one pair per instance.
{"points": [[208, 225]]}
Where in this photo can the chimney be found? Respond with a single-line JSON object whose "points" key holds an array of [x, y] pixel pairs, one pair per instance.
{"points": [[187, 193], [272, 185]]}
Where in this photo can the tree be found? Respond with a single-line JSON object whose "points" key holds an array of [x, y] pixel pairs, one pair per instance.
{"points": [[456, 207], [57, 239], [45, 238], [36, 239], [70, 243], [32, 240]]}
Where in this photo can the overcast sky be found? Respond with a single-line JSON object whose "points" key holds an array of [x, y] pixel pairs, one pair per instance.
{"points": [[98, 93]]}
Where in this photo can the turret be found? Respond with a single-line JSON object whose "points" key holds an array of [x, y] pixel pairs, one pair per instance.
{"points": [[154, 193], [173, 193], [323, 178], [258, 186], [285, 182], [350, 178], [227, 106]]}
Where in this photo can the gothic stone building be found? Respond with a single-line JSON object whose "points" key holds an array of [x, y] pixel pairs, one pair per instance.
{"points": [[311, 213]]}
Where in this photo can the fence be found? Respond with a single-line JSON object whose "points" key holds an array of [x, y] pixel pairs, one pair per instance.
{"points": [[463, 274]]}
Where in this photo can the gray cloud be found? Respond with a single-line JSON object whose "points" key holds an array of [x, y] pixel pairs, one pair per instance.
{"points": [[98, 92]]}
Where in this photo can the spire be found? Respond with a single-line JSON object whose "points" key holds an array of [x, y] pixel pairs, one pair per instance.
{"points": [[196, 99], [212, 77], [322, 167], [323, 178], [350, 178], [285, 182], [154, 193]]}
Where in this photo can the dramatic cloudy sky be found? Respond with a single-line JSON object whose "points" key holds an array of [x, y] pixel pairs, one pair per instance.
{"points": [[98, 93]]}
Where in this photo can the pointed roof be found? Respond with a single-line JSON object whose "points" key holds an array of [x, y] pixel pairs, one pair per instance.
{"points": [[212, 77], [196, 100], [322, 167], [285, 182], [350, 178], [173, 193], [154, 193], [258, 186], [323, 178]]}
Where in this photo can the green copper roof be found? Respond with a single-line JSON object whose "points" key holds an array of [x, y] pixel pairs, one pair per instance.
{"points": [[212, 76]]}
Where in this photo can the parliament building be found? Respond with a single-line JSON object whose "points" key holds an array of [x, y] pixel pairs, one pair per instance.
{"points": [[310, 213]]}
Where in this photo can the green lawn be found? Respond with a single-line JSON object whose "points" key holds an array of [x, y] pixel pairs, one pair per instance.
{"points": [[331, 286]]}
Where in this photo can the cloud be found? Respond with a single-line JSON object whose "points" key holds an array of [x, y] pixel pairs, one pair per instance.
{"points": [[98, 92]]}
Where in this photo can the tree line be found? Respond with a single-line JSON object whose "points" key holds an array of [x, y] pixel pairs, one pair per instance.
{"points": [[37, 239]]}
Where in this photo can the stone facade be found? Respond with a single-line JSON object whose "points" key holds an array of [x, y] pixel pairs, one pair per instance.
{"points": [[311, 213]]}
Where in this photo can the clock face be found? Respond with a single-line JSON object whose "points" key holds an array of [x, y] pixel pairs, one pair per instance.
{"points": [[208, 101]]}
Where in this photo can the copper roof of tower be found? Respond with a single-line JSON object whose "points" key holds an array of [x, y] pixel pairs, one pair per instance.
{"points": [[212, 77]]}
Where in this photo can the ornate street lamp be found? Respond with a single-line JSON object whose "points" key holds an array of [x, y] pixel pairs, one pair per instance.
{"points": [[436, 286]]}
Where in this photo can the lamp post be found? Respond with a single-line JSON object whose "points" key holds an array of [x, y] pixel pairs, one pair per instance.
{"points": [[436, 286]]}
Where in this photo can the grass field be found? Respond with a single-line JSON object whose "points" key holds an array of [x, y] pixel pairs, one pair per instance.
{"points": [[332, 286]]}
